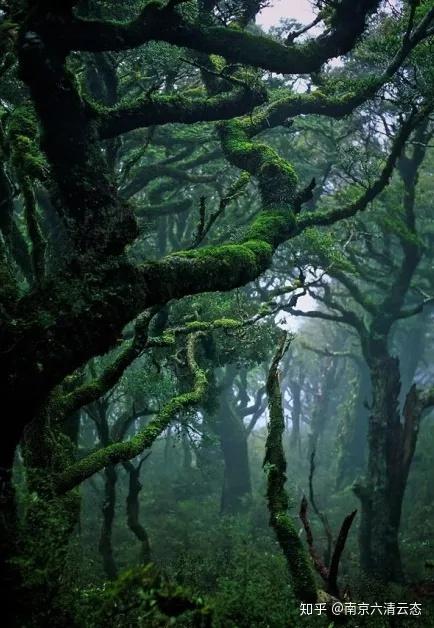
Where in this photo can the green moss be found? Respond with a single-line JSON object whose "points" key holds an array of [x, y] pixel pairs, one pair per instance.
{"points": [[122, 451], [222, 323], [140, 593], [228, 258], [23, 136], [271, 228], [302, 577], [276, 177]]}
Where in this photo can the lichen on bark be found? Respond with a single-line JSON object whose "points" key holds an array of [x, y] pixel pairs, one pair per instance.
{"points": [[300, 570]]}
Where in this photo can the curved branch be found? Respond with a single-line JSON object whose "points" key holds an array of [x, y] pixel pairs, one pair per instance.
{"points": [[337, 553], [355, 291], [93, 390], [318, 103], [133, 508], [347, 23], [164, 109], [124, 451], [150, 172], [417, 309], [328, 217]]}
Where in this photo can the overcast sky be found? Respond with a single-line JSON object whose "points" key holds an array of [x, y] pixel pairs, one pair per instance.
{"points": [[300, 10]]}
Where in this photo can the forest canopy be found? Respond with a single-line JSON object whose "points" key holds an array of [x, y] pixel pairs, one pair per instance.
{"points": [[216, 289]]}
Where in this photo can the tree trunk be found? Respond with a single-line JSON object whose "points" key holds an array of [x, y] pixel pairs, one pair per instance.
{"points": [[47, 524], [108, 510], [382, 496], [233, 441], [299, 566], [133, 510]]}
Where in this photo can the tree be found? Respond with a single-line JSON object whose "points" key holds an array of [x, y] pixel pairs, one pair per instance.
{"points": [[69, 285], [371, 303]]}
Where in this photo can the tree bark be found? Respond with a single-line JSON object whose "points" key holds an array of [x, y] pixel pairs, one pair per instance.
{"points": [[133, 510], [302, 577], [382, 497]]}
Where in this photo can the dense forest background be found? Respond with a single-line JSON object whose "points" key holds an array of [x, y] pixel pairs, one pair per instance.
{"points": [[216, 289]]}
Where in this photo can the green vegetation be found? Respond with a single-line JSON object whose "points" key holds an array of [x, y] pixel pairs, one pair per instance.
{"points": [[216, 292]]}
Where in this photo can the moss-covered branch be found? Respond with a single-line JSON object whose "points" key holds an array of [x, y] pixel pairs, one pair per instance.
{"points": [[123, 451], [29, 166], [196, 270], [157, 22], [96, 388], [167, 338], [163, 109], [91, 302], [275, 466], [358, 92]]}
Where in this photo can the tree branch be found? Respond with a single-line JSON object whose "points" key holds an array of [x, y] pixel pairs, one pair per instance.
{"points": [[123, 451], [320, 567], [341, 105], [333, 588], [347, 23], [164, 109], [93, 390], [328, 217]]}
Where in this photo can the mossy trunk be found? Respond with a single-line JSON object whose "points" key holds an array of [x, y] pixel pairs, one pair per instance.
{"points": [[302, 576], [34, 533], [47, 525]]}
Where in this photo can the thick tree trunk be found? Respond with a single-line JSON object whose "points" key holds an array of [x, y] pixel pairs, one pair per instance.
{"points": [[382, 496], [47, 525]]}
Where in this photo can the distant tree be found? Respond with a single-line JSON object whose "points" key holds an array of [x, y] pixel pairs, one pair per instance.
{"points": [[382, 286]]}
